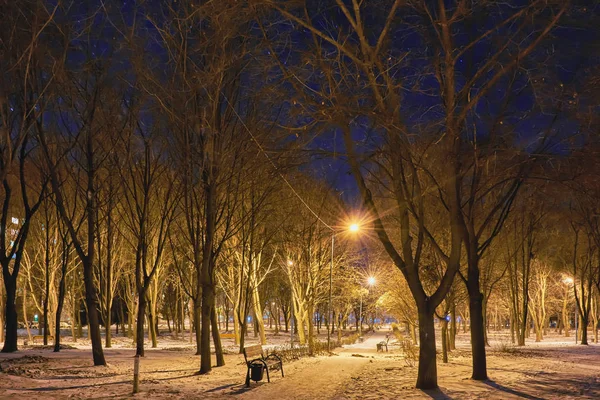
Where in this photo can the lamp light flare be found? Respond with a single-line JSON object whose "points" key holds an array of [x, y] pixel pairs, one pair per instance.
{"points": [[371, 281], [568, 280], [290, 263], [354, 228]]}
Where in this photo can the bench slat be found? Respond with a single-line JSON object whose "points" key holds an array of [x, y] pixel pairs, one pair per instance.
{"points": [[252, 351]]}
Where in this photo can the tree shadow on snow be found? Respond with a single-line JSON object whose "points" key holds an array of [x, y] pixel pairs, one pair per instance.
{"points": [[58, 388], [222, 387], [514, 392], [436, 394]]}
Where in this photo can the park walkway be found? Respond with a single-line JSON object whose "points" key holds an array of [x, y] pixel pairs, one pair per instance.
{"points": [[321, 377]]}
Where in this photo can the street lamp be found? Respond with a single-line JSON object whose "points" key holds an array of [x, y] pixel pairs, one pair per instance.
{"points": [[290, 263], [353, 227], [370, 282]]}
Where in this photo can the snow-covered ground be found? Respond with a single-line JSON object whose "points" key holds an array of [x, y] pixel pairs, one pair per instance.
{"points": [[553, 369]]}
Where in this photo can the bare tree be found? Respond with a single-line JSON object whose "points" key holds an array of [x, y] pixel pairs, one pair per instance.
{"points": [[23, 98], [150, 205]]}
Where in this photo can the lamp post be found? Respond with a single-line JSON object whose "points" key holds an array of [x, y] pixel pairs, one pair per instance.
{"points": [[290, 263], [329, 319], [354, 227]]}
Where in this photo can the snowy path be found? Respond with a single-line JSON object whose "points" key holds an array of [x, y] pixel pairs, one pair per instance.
{"points": [[553, 369], [319, 378]]}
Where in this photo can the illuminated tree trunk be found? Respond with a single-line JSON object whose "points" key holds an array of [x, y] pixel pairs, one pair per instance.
{"points": [[565, 315], [452, 343], [444, 323], [258, 312], [139, 327], [197, 313], [217, 339], [485, 320], [311, 328]]}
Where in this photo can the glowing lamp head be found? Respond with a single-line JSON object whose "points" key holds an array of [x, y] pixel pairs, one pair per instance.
{"points": [[290, 263], [568, 280], [371, 281], [354, 228]]}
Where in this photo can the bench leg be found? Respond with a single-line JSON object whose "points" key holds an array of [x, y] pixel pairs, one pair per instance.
{"points": [[248, 377], [268, 379], [281, 366]]}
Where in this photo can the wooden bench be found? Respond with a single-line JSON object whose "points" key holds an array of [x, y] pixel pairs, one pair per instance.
{"points": [[227, 335], [383, 343], [255, 355], [41, 337]]}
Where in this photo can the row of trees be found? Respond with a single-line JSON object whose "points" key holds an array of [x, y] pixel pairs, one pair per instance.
{"points": [[135, 174], [543, 272], [447, 110], [155, 140]]}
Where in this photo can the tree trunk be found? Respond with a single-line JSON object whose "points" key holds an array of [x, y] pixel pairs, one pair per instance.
{"points": [[584, 324], [258, 312], [25, 320], [139, 328], [227, 320], [477, 331], [485, 321], [217, 338], [10, 342], [61, 299], [243, 328], [208, 303], [109, 278], [412, 330], [286, 319], [445, 341], [151, 326], [2, 312], [311, 330], [46, 283], [427, 372], [197, 312], [91, 299], [122, 317], [452, 343], [512, 327], [236, 325], [152, 323], [565, 317], [131, 311]]}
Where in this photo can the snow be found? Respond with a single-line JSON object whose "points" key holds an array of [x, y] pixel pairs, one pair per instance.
{"points": [[555, 368]]}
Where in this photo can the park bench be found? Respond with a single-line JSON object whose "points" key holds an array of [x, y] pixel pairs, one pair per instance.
{"points": [[255, 356], [383, 343], [227, 335], [41, 337]]}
